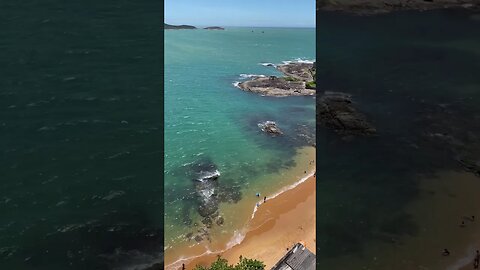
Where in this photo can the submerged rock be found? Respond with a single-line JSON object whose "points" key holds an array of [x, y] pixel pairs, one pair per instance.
{"points": [[220, 221], [335, 110], [270, 127]]}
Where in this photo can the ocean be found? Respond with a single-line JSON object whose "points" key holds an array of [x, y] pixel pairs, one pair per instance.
{"points": [[390, 201], [212, 127], [80, 134]]}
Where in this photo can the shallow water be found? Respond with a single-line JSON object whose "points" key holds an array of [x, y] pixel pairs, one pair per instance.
{"points": [[416, 77], [210, 121]]}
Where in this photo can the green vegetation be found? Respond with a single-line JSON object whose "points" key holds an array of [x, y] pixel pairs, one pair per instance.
{"points": [[243, 264], [311, 85], [291, 79]]}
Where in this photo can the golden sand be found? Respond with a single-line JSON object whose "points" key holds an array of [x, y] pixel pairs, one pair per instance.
{"points": [[278, 224]]}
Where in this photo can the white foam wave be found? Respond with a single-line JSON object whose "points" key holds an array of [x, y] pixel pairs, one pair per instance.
{"points": [[268, 64], [247, 76], [237, 238], [306, 61], [236, 84], [299, 60], [209, 175]]}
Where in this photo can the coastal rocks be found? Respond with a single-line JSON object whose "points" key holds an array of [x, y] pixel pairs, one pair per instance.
{"points": [[335, 111], [372, 7], [208, 194], [276, 87], [299, 81], [205, 175], [270, 127], [300, 71], [199, 235]]}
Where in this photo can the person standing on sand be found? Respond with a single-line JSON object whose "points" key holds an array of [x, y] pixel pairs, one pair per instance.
{"points": [[183, 266], [265, 199], [476, 261]]}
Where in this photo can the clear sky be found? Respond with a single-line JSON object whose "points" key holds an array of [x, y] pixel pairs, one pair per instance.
{"points": [[262, 13]]}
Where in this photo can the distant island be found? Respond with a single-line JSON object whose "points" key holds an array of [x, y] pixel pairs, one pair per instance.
{"points": [[214, 28], [185, 26], [178, 27]]}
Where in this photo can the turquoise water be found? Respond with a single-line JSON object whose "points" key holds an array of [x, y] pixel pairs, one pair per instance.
{"points": [[209, 121]]}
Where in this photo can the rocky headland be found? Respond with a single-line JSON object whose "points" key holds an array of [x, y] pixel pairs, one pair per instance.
{"points": [[299, 80], [371, 7]]}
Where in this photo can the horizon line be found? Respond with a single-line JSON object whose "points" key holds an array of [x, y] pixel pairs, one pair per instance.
{"points": [[259, 26]]}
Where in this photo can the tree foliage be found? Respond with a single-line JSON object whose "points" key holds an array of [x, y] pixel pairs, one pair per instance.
{"points": [[243, 264]]}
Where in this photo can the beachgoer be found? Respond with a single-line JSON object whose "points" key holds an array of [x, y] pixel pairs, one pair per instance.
{"points": [[258, 204], [183, 266], [445, 252], [264, 199], [258, 194], [305, 171]]}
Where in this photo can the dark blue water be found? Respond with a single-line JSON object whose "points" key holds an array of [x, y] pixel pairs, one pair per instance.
{"points": [[80, 134], [415, 75]]}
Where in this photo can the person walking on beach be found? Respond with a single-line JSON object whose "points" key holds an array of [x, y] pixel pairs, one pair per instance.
{"points": [[183, 266], [265, 199], [476, 261]]}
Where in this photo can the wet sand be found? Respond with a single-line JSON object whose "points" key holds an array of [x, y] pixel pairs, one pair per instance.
{"points": [[278, 224]]}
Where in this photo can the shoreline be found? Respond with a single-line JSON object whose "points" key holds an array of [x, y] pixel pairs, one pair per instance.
{"points": [[264, 224]]}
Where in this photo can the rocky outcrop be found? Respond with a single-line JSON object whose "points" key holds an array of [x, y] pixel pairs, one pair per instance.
{"points": [[336, 111], [299, 80], [270, 127], [300, 71], [371, 7], [276, 87]]}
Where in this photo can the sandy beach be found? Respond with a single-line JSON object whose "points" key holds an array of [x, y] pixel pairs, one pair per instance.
{"points": [[278, 224]]}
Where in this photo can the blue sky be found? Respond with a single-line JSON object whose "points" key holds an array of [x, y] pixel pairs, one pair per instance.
{"points": [[262, 13]]}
